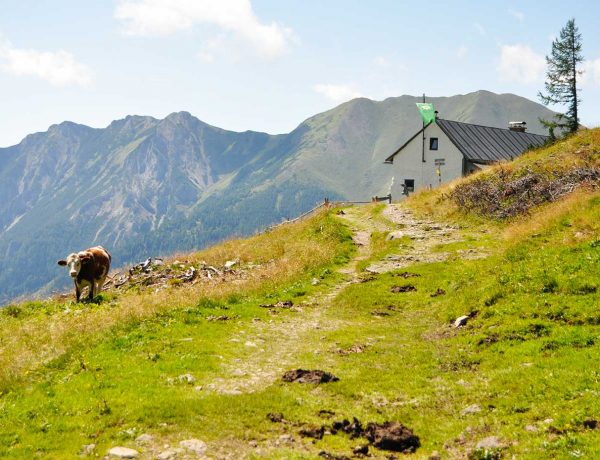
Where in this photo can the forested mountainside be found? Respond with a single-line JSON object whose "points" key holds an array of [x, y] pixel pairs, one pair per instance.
{"points": [[146, 187]]}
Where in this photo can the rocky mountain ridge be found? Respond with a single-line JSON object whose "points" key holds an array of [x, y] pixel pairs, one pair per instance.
{"points": [[143, 186]]}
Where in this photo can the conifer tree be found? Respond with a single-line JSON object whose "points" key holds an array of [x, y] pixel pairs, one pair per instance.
{"points": [[561, 78]]}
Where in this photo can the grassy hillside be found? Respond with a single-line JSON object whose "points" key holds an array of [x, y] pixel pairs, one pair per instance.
{"points": [[147, 187], [205, 360]]}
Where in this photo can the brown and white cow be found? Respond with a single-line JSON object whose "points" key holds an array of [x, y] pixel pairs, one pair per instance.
{"points": [[88, 268]]}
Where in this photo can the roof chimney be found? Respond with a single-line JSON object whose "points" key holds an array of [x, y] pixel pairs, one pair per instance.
{"points": [[518, 126]]}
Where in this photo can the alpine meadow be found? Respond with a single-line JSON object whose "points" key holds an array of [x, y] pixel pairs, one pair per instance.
{"points": [[307, 231]]}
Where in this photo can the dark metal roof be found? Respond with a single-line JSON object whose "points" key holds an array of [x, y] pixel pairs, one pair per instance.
{"points": [[484, 144]]}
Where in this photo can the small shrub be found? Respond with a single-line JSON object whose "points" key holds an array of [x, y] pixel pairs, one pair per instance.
{"points": [[493, 299], [550, 285], [12, 310]]}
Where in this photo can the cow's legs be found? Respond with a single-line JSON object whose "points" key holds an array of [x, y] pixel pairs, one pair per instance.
{"points": [[101, 283], [77, 292]]}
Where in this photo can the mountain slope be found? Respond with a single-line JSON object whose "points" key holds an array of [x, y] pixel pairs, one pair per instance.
{"points": [[144, 186], [163, 354]]}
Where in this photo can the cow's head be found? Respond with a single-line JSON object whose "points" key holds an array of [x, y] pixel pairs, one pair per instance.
{"points": [[75, 262]]}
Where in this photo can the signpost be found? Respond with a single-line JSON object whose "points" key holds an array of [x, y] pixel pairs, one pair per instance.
{"points": [[439, 162]]}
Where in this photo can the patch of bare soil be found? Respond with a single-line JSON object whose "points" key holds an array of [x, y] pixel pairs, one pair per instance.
{"points": [[306, 376]]}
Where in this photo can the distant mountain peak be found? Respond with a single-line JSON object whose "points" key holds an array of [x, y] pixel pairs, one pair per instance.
{"points": [[146, 186]]}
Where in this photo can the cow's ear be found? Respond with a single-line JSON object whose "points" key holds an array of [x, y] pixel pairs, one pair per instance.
{"points": [[62, 262], [85, 258]]}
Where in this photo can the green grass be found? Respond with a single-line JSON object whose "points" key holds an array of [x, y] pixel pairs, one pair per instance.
{"points": [[527, 355]]}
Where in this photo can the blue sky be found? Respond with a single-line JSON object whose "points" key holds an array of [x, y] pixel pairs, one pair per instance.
{"points": [[267, 65]]}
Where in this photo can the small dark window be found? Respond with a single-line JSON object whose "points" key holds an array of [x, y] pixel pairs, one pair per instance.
{"points": [[409, 185], [433, 143]]}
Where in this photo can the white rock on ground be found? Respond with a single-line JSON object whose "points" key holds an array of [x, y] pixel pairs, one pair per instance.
{"points": [[230, 263], [87, 449], [472, 409], [123, 452], [491, 442], [195, 445], [186, 378], [461, 321], [144, 438], [169, 454]]}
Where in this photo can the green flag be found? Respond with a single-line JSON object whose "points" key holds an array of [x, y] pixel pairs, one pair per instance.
{"points": [[427, 112]]}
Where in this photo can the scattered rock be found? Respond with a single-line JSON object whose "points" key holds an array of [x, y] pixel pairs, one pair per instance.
{"points": [[357, 348], [405, 288], [169, 454], [435, 455], [407, 275], [380, 313], [472, 409], [285, 439], [129, 432], [394, 236], [195, 445], [280, 304], [229, 264], [531, 428], [144, 439], [306, 376], [123, 452], [314, 281], [439, 292], [461, 321], [217, 318], [341, 212], [328, 456], [361, 450], [392, 436], [186, 378], [87, 449], [189, 275], [491, 442]]}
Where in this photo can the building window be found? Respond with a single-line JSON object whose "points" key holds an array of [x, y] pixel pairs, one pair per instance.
{"points": [[433, 143], [409, 185]]}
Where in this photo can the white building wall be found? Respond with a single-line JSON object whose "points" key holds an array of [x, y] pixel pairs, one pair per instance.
{"points": [[408, 163]]}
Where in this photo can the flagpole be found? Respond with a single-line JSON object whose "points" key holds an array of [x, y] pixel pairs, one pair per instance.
{"points": [[423, 155]]}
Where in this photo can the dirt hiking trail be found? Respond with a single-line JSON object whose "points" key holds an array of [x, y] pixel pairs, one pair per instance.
{"points": [[271, 346]]}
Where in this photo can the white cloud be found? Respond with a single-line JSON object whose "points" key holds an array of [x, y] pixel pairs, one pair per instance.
{"points": [[166, 17], [521, 64], [479, 28], [381, 61], [591, 73], [59, 68], [462, 51], [518, 15], [337, 93]]}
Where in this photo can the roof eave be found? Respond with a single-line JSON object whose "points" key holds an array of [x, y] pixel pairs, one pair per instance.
{"points": [[390, 160]]}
